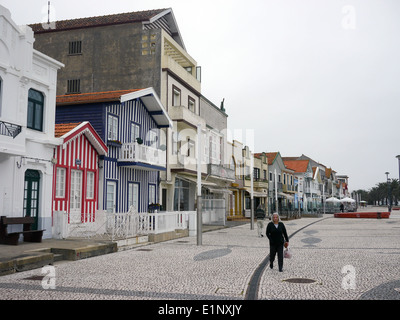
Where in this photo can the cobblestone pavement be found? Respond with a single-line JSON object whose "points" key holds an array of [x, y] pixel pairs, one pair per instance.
{"points": [[347, 258]]}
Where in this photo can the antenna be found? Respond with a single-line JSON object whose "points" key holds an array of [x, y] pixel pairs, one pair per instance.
{"points": [[48, 12]]}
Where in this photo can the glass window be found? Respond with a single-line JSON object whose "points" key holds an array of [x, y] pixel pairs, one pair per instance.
{"points": [[192, 104], [176, 99], [90, 185], [35, 110], [135, 132], [181, 195], [152, 194], [112, 127], [60, 183]]}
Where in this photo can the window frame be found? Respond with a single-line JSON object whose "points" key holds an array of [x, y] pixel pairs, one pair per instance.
{"points": [[58, 195], [176, 92], [114, 129], [90, 189], [34, 116]]}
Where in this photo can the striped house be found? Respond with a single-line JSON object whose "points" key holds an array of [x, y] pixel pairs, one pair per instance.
{"points": [[76, 173], [131, 123]]}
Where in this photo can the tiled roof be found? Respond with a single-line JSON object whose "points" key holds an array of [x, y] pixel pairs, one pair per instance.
{"points": [[112, 19], [63, 128], [92, 97], [297, 165], [271, 157]]}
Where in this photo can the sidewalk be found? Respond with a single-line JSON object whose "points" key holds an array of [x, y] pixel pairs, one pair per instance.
{"points": [[335, 258], [30, 255]]}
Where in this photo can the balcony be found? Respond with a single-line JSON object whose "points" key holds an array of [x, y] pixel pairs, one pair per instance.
{"points": [[179, 62], [185, 117], [221, 172], [288, 188], [257, 182], [9, 129], [140, 155]]}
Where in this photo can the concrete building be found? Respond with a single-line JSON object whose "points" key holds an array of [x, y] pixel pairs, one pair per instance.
{"points": [[28, 81], [140, 50]]}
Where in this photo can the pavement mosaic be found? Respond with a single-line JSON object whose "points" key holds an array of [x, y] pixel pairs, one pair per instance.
{"points": [[347, 259]]}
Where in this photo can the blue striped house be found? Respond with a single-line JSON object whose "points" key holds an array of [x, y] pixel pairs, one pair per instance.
{"points": [[131, 123]]}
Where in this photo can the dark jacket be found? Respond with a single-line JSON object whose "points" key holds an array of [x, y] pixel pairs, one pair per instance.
{"points": [[276, 235]]}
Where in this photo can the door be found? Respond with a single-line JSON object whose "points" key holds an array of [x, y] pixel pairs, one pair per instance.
{"points": [[75, 204], [133, 195], [111, 196], [31, 196]]}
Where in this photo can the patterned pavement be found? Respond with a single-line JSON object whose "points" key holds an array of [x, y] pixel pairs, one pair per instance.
{"points": [[333, 259]]}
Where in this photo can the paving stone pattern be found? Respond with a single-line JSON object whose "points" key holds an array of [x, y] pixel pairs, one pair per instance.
{"points": [[366, 250]]}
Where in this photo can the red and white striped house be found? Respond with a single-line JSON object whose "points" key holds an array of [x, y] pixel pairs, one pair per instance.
{"points": [[76, 174]]}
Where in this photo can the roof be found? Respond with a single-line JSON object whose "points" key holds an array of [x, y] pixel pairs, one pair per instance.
{"points": [[112, 19], [92, 97], [297, 165], [147, 18], [63, 128], [68, 131], [147, 96], [271, 157]]}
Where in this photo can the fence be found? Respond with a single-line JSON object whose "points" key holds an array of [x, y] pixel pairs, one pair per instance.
{"points": [[131, 224]]}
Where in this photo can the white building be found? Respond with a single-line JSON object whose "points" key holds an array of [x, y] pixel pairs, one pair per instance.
{"points": [[28, 81]]}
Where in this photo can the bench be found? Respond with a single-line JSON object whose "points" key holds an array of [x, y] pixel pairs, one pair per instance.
{"points": [[12, 238]]}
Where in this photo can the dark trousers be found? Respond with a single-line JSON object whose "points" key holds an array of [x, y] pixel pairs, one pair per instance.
{"points": [[273, 249]]}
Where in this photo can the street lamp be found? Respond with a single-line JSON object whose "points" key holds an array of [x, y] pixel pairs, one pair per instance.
{"points": [[388, 202]]}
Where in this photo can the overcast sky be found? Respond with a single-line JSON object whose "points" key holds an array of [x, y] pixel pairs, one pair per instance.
{"points": [[320, 78]]}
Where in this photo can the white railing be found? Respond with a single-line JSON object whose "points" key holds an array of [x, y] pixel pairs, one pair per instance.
{"points": [[163, 222], [134, 152], [130, 224]]}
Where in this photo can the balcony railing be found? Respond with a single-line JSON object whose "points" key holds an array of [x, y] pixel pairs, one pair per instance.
{"points": [[134, 152], [9, 129], [221, 171]]}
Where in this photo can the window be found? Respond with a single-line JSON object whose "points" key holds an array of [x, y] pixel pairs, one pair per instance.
{"points": [[152, 137], [35, 110], [152, 194], [135, 131], [133, 195], [176, 99], [112, 127], [90, 185], [60, 182], [74, 86], [181, 195], [192, 104], [191, 148], [75, 47]]}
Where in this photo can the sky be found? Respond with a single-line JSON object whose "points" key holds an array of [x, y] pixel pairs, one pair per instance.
{"points": [[312, 77]]}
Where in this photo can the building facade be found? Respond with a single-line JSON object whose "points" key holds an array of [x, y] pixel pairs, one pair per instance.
{"points": [[139, 50], [131, 123], [76, 172], [28, 81]]}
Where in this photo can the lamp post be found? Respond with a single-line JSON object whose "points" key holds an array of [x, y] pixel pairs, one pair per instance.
{"points": [[199, 217], [388, 202]]}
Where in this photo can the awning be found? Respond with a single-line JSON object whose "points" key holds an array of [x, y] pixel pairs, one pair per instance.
{"points": [[287, 196], [218, 190], [194, 180], [257, 194]]}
